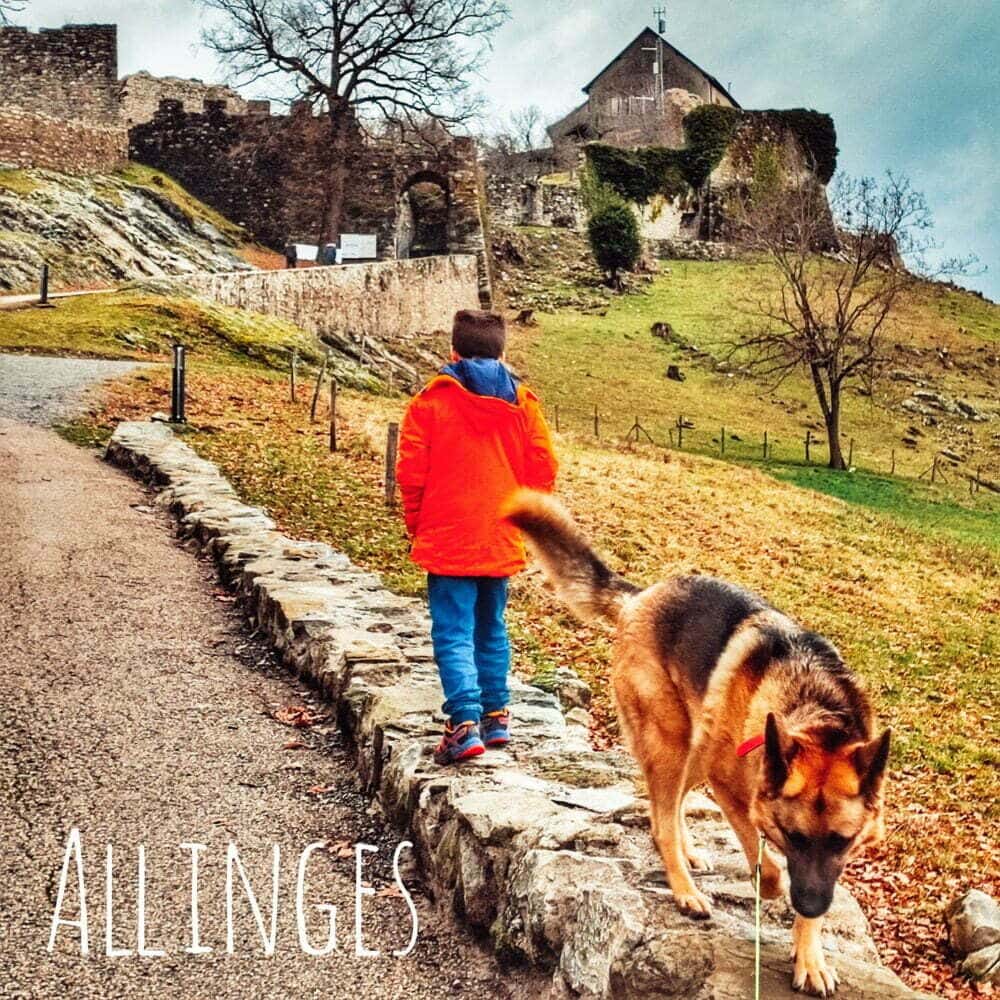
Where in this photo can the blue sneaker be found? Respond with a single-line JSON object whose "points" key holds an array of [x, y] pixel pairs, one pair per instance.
{"points": [[496, 728], [459, 743]]}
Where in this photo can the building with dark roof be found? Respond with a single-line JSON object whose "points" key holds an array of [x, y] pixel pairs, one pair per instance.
{"points": [[641, 97]]}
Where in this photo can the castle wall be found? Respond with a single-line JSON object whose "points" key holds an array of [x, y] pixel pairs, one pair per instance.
{"points": [[141, 94], [389, 299], [60, 99], [520, 201], [269, 173], [30, 140], [69, 73]]}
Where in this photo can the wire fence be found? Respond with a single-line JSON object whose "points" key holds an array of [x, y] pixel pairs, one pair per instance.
{"points": [[763, 446]]}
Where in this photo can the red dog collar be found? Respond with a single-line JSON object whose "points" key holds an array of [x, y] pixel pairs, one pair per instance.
{"points": [[749, 745]]}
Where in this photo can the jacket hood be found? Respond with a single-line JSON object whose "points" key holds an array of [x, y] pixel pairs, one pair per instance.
{"points": [[484, 377]]}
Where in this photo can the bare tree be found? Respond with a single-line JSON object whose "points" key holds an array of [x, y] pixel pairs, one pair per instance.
{"points": [[524, 125], [404, 61], [10, 7], [830, 313]]}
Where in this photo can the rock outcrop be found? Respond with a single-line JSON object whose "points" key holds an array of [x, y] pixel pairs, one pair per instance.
{"points": [[545, 847], [100, 229]]}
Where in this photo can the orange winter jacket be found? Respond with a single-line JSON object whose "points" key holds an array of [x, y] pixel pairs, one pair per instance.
{"points": [[461, 456]]}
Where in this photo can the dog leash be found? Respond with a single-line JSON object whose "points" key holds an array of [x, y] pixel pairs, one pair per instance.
{"points": [[756, 952]]}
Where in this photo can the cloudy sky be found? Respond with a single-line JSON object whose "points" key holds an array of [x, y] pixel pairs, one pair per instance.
{"points": [[913, 85]]}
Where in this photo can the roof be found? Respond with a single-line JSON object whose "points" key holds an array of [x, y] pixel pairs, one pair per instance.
{"points": [[649, 31]]}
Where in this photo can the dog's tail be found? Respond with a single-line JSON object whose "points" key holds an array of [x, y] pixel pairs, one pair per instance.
{"points": [[579, 577]]}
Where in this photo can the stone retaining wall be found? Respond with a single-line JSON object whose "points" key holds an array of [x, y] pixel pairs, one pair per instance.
{"points": [[347, 304], [544, 847]]}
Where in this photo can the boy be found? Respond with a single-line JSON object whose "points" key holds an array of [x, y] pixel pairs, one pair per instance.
{"points": [[469, 440]]}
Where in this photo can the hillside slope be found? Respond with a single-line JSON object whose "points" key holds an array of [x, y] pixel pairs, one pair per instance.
{"points": [[939, 397], [97, 230]]}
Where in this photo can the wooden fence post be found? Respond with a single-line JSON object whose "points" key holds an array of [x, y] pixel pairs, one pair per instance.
{"points": [[808, 444], [765, 446], [333, 414], [850, 454], [295, 364], [722, 441], [597, 422], [319, 385], [391, 451], [893, 470], [680, 431]]}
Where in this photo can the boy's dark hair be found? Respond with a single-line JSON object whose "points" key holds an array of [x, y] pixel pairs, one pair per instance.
{"points": [[478, 334]]}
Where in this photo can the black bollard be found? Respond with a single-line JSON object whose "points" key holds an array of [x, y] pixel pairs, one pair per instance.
{"points": [[177, 388]]}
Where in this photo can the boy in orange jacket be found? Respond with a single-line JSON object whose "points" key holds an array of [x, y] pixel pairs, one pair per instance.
{"points": [[470, 440]]}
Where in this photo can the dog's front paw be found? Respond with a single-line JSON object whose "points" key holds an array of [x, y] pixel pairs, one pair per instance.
{"points": [[773, 881], [812, 973], [693, 904]]}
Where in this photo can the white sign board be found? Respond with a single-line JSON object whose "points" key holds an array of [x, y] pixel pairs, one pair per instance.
{"points": [[305, 251], [355, 246]]}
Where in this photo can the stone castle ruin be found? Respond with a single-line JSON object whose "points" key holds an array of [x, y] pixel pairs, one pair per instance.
{"points": [[61, 106], [66, 109]]}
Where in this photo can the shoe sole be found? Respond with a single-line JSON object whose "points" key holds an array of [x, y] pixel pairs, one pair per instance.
{"points": [[500, 742], [465, 755]]}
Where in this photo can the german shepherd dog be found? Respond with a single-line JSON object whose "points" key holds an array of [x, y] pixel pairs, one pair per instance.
{"points": [[713, 684]]}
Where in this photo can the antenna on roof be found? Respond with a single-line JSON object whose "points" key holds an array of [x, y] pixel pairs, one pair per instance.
{"points": [[660, 13]]}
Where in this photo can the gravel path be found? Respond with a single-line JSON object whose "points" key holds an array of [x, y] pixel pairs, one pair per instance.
{"points": [[134, 707], [40, 390]]}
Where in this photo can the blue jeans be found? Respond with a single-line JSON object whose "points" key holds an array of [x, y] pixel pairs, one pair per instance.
{"points": [[470, 643]]}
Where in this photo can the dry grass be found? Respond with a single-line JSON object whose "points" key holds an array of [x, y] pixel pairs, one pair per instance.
{"points": [[915, 613]]}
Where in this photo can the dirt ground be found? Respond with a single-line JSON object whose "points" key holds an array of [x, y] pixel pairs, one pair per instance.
{"points": [[135, 708]]}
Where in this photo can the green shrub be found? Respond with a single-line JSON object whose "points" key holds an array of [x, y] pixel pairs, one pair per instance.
{"points": [[639, 175], [817, 135], [708, 129], [614, 238]]}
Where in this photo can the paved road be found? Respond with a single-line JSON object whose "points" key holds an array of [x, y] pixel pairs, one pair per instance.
{"points": [[41, 390], [134, 707]]}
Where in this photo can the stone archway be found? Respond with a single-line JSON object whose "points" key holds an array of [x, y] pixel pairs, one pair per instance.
{"points": [[424, 226]]}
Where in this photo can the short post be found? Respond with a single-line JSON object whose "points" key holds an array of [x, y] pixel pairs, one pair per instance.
{"points": [[597, 422], [765, 446], [333, 414], [319, 385], [43, 293], [892, 471], [295, 365], [722, 441], [391, 451], [680, 432], [177, 387], [850, 455], [808, 444], [557, 418]]}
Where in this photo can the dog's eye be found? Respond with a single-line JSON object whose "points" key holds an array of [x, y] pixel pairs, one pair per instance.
{"points": [[799, 841], [838, 844]]}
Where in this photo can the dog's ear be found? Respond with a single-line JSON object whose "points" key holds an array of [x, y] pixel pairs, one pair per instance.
{"points": [[870, 760], [779, 749]]}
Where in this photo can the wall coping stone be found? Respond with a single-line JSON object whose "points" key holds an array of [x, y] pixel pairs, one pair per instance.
{"points": [[545, 846]]}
